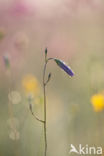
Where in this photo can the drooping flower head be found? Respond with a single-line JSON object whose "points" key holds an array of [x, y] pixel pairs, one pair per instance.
{"points": [[65, 67]]}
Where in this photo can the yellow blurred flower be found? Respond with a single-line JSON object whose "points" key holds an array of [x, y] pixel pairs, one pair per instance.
{"points": [[97, 101], [30, 85]]}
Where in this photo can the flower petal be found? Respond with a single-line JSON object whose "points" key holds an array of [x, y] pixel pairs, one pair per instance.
{"points": [[63, 66]]}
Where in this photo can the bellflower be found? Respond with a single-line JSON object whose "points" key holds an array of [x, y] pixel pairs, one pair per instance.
{"points": [[65, 67]]}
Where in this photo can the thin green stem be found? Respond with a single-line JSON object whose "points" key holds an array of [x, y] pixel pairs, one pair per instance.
{"points": [[45, 106], [45, 115]]}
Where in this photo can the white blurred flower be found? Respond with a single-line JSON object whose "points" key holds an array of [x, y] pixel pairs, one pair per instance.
{"points": [[14, 97], [13, 123], [14, 135]]}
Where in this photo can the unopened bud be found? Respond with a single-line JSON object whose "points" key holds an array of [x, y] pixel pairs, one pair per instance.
{"points": [[49, 76]]}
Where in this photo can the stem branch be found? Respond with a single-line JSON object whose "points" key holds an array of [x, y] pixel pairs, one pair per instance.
{"points": [[37, 117]]}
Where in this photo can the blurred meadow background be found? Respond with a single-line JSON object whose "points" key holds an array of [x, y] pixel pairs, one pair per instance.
{"points": [[72, 30]]}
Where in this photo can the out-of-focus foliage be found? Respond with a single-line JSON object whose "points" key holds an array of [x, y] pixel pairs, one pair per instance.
{"points": [[72, 30]]}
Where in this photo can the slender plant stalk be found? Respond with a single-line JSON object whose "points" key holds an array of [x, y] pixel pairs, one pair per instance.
{"points": [[45, 113], [45, 106], [68, 70]]}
